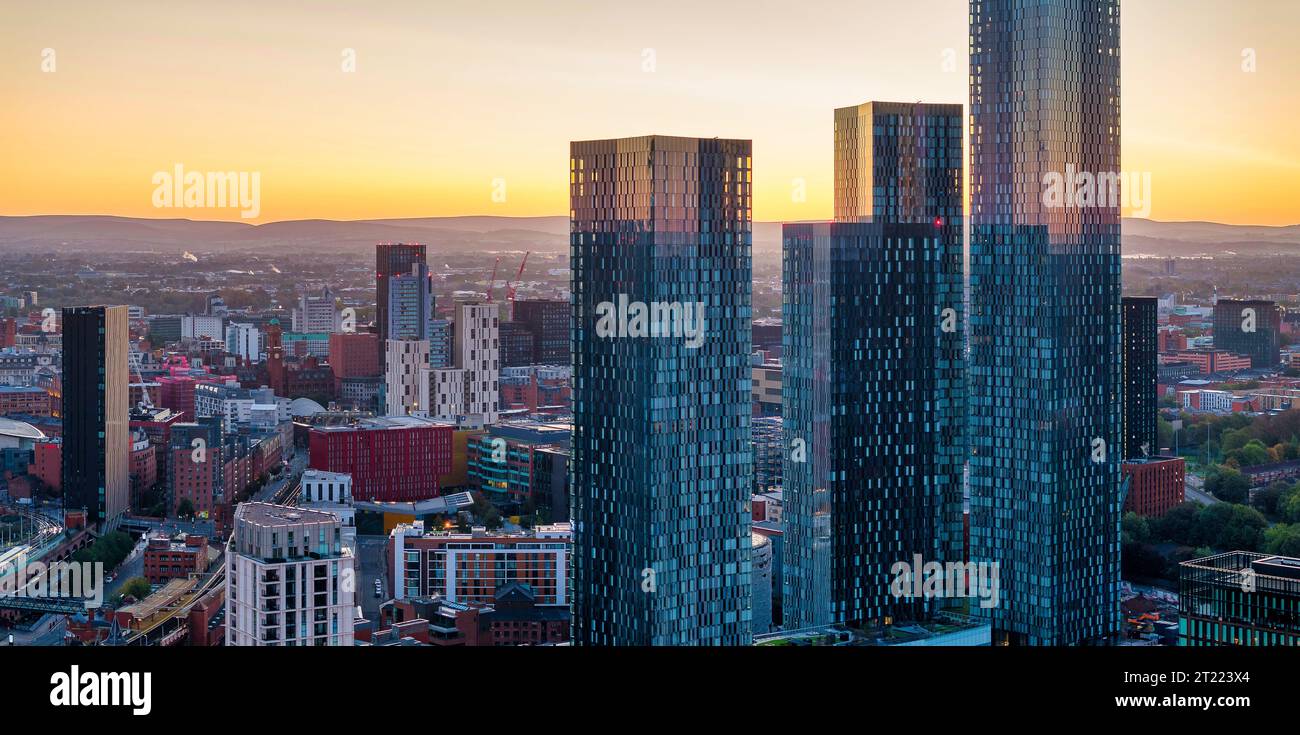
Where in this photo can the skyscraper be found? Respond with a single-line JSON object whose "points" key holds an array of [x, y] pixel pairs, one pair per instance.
{"points": [[1046, 389], [96, 414], [410, 304], [660, 252], [549, 323], [873, 384], [391, 259], [1252, 328], [1139, 316]]}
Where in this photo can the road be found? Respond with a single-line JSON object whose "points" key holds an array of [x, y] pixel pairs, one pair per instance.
{"points": [[370, 553], [290, 474], [1196, 490]]}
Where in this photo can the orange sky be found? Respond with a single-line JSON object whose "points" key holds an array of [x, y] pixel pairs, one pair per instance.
{"points": [[445, 101]]}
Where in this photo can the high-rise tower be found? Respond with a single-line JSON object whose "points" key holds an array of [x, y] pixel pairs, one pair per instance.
{"points": [[1045, 375], [873, 385], [660, 243]]}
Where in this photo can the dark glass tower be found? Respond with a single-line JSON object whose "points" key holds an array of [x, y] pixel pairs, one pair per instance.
{"points": [[873, 385], [661, 464], [1140, 350], [96, 415], [1046, 391], [391, 259], [1251, 328]]}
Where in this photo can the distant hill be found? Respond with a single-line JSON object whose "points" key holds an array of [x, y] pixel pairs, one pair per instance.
{"points": [[71, 233]]}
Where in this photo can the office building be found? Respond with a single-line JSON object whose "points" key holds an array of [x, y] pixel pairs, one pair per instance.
{"points": [[470, 567], [1251, 328], [289, 579], [661, 463], [1139, 318], [1046, 384], [548, 322], [873, 373], [316, 314], [389, 459], [1239, 598], [410, 304], [391, 259], [244, 341], [96, 431]]}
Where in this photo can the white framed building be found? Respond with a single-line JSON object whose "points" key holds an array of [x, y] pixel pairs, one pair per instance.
{"points": [[290, 580], [405, 360], [244, 341]]}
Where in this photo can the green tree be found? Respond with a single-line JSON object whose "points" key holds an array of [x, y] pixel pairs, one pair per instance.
{"points": [[137, 587], [1228, 484], [1179, 524], [1134, 528], [1283, 539], [185, 509]]}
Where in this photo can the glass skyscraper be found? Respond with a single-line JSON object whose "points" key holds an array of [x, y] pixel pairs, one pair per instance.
{"points": [[1046, 392], [410, 304], [873, 384], [1139, 317], [661, 466]]}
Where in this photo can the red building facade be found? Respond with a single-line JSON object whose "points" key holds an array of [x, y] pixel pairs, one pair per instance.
{"points": [[389, 459], [1155, 485]]}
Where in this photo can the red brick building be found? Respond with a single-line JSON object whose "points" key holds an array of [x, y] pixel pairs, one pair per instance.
{"points": [[47, 464], [390, 459], [143, 465], [354, 355], [24, 400], [1155, 485], [166, 559]]}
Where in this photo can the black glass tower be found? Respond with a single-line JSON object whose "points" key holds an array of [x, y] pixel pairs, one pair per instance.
{"points": [[873, 383], [96, 420], [1046, 390], [1140, 350], [661, 460]]}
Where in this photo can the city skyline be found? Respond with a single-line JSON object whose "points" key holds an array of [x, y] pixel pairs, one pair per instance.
{"points": [[360, 145]]}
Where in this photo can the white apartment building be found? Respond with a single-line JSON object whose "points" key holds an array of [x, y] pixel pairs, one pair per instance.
{"points": [[244, 341], [331, 492], [316, 313], [202, 326], [471, 387], [290, 581], [405, 360]]}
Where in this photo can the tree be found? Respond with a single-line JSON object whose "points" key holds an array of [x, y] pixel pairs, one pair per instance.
{"points": [[137, 587], [1134, 528], [1288, 506], [1228, 484], [1243, 531], [1283, 539], [1179, 524], [1253, 453], [1266, 499], [185, 509]]}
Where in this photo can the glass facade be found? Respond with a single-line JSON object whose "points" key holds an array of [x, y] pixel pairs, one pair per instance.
{"points": [[874, 383], [1239, 598], [1139, 317], [1045, 373], [661, 459], [411, 304]]}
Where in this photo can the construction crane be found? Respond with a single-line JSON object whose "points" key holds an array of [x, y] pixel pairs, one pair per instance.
{"points": [[492, 283], [510, 287], [133, 359]]}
